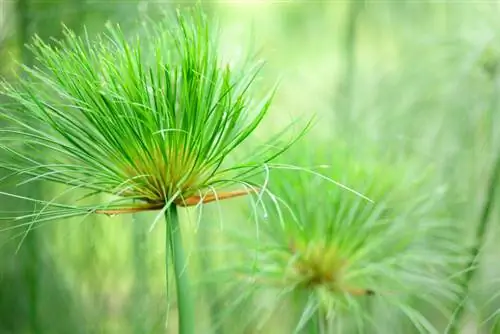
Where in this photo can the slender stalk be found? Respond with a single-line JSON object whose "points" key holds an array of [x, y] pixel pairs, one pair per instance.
{"points": [[210, 289], [81, 10], [31, 244], [23, 33], [355, 8], [322, 325], [140, 288], [185, 303], [473, 263]]}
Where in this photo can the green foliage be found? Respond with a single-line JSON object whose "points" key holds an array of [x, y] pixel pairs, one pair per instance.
{"points": [[149, 120], [422, 105], [356, 260]]}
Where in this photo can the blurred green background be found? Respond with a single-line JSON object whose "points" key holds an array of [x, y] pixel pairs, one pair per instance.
{"points": [[411, 80]]}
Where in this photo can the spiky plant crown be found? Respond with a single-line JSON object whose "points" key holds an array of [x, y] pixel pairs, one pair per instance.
{"points": [[364, 265], [151, 120]]}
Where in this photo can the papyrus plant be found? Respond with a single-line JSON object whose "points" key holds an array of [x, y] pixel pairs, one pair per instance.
{"points": [[137, 124], [347, 263]]}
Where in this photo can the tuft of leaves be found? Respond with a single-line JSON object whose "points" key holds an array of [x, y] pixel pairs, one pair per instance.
{"points": [[149, 121], [351, 263]]}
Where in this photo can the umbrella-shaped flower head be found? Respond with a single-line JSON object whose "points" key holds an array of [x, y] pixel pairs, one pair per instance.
{"points": [[152, 119], [373, 260]]}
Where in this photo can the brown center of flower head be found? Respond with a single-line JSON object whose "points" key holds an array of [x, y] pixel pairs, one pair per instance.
{"points": [[320, 264], [155, 177]]}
